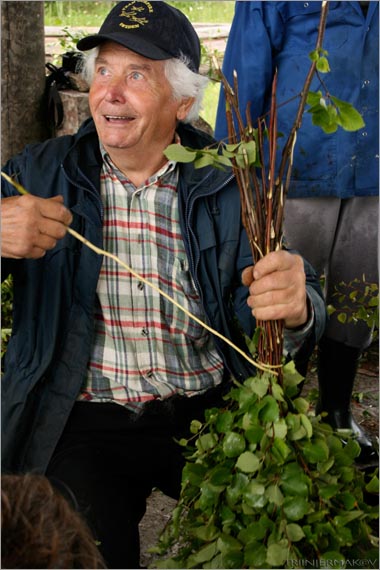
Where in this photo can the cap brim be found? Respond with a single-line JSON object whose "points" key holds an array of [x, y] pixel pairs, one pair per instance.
{"points": [[136, 44]]}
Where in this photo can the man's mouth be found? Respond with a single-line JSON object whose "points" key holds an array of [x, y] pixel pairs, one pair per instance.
{"points": [[112, 118]]}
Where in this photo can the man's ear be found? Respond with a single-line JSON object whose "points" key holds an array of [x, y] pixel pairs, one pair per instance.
{"points": [[184, 108]]}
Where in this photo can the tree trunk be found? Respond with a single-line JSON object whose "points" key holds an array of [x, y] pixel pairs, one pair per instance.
{"points": [[23, 76]]}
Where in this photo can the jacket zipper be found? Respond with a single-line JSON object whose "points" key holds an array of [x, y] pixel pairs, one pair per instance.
{"points": [[91, 189], [188, 213]]}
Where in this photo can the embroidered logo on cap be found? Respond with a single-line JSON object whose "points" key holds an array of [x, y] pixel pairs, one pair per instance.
{"points": [[134, 13]]}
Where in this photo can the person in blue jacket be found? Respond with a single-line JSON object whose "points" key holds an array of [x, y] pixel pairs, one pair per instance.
{"points": [[331, 214], [103, 374]]}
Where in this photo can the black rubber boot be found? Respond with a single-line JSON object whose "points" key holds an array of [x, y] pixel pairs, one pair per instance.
{"points": [[337, 365]]}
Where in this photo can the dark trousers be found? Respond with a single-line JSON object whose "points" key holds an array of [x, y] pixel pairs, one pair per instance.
{"points": [[111, 458]]}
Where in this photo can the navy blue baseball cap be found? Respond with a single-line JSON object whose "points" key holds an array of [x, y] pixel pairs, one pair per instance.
{"points": [[152, 29]]}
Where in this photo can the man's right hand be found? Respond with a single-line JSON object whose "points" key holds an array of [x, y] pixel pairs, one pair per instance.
{"points": [[30, 225]]}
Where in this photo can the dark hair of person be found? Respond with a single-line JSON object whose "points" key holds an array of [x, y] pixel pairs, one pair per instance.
{"points": [[41, 529]]}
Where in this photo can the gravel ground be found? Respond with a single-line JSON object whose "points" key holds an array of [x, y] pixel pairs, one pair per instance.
{"points": [[365, 407]]}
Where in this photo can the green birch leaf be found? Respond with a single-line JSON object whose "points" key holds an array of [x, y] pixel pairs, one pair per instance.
{"points": [[254, 434], [231, 147], [220, 476], [346, 517], [279, 429], [180, 153], [373, 485], [226, 543], [206, 442], [328, 491], [295, 508], [315, 451], [314, 55], [297, 434], [277, 555], [254, 532], [194, 472], [224, 421], [277, 392], [348, 500], [274, 495], [254, 496], [323, 65], [195, 426], [324, 118], [324, 466], [259, 385], [301, 405], [280, 450], [203, 160], [294, 532], [235, 490], [203, 555], [331, 309], [248, 462], [294, 481], [342, 317], [206, 532], [269, 410], [291, 376], [306, 423], [233, 444], [224, 160], [249, 149], [313, 98], [227, 515], [255, 555], [348, 117], [209, 495], [231, 559]]}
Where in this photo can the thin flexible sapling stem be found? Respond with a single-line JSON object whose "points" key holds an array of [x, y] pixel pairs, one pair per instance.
{"points": [[99, 251]]}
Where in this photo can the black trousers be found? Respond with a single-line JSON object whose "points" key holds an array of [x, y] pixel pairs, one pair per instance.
{"points": [[111, 459]]}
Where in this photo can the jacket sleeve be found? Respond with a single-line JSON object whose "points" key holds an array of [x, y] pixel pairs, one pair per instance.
{"points": [[253, 37], [12, 168]]}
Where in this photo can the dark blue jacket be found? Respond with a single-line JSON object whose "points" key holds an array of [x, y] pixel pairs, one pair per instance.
{"points": [[54, 296], [269, 35]]}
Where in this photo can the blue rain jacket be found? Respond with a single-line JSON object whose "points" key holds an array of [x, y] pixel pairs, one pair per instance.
{"points": [[269, 35], [54, 297]]}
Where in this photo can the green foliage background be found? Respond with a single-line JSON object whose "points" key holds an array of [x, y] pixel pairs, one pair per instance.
{"points": [[77, 13]]}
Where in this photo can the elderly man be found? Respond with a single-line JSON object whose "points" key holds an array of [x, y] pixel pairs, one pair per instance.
{"points": [[103, 373]]}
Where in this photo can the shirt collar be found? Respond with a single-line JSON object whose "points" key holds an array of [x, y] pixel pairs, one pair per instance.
{"points": [[168, 167]]}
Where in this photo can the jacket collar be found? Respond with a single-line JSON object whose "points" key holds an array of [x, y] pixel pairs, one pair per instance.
{"points": [[83, 160]]}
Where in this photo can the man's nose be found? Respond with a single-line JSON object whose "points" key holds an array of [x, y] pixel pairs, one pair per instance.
{"points": [[116, 90]]}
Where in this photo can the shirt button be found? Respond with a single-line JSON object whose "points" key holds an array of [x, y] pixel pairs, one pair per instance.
{"points": [[140, 285], [366, 82], [144, 332], [364, 134], [306, 5], [149, 374]]}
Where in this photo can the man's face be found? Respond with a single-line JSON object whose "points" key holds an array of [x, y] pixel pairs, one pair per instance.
{"points": [[131, 102]]}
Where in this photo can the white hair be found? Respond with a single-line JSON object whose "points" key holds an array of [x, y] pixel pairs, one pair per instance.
{"points": [[184, 82]]}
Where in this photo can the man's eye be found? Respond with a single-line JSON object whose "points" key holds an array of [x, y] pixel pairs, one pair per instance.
{"points": [[136, 75], [103, 71]]}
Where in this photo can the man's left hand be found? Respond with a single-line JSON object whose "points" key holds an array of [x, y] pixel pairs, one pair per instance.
{"points": [[277, 288]]}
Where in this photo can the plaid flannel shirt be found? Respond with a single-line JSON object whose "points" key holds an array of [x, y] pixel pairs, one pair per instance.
{"points": [[145, 347]]}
